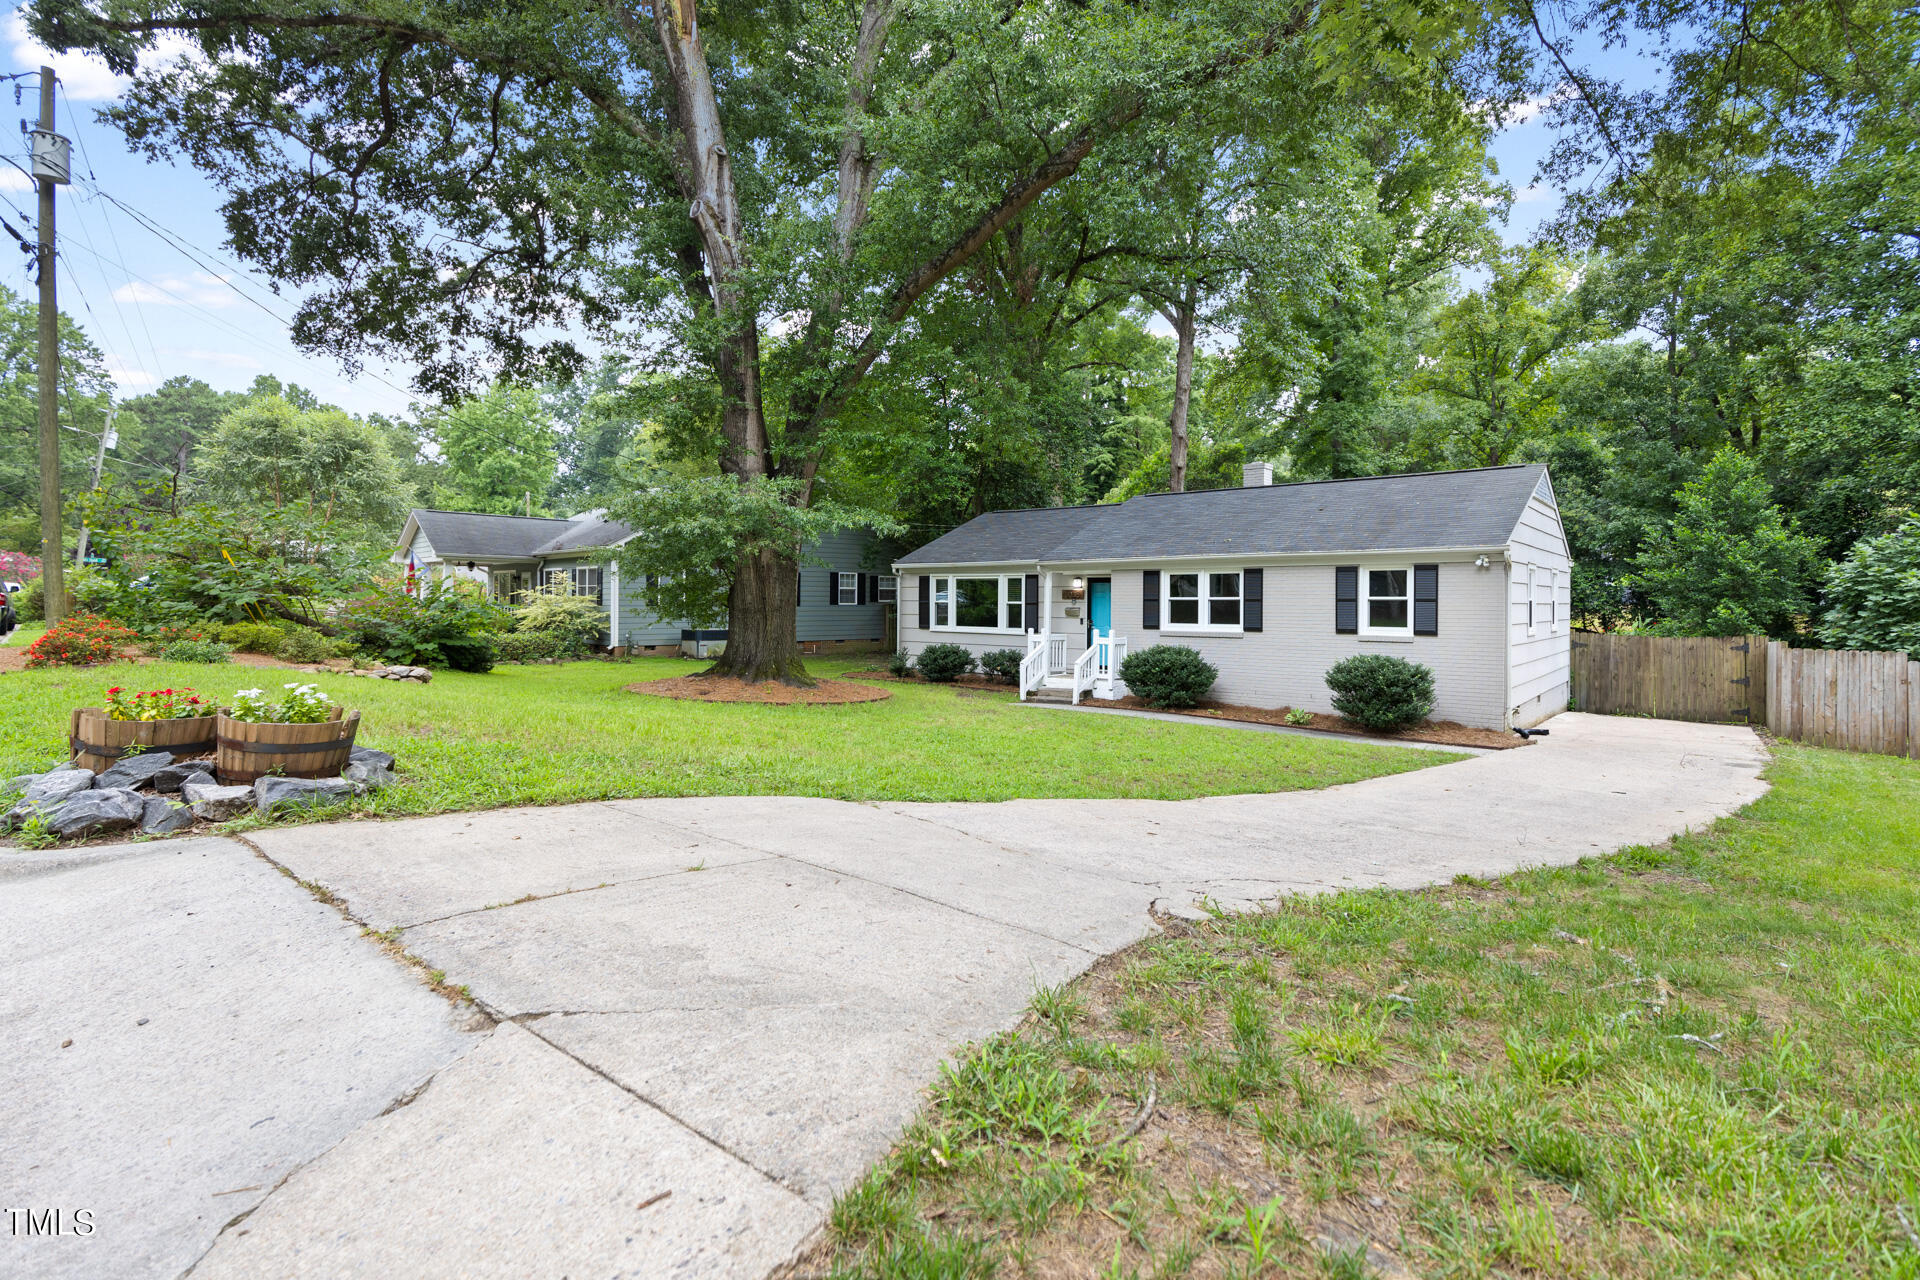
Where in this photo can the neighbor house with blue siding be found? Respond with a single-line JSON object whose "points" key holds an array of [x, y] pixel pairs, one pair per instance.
{"points": [[843, 603]]}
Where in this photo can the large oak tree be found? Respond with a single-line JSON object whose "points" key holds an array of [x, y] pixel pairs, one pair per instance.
{"points": [[768, 193]]}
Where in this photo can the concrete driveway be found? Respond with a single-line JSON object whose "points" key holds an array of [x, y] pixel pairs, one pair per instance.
{"points": [[703, 1018]]}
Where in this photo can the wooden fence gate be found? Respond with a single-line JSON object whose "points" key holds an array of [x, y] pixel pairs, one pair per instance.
{"points": [[1713, 678], [1849, 699]]}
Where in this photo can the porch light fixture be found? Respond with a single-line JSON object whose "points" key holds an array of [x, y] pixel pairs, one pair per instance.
{"points": [[1481, 563], [1079, 584], [469, 566]]}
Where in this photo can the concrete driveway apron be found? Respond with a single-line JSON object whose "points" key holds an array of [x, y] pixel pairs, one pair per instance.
{"points": [[714, 1014]]}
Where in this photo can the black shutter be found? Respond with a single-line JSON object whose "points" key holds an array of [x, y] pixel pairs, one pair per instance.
{"points": [[1252, 599], [873, 588], [1346, 599], [1426, 599], [1030, 603], [860, 588], [833, 586], [1150, 599], [926, 603]]}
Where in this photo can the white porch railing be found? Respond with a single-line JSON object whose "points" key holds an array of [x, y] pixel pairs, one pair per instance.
{"points": [[1094, 670], [1033, 667], [1056, 654]]}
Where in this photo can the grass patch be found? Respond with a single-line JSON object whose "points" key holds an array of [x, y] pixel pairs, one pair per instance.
{"points": [[1700, 1060], [551, 734]]}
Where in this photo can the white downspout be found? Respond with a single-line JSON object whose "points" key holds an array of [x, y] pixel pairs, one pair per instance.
{"points": [[613, 618]]}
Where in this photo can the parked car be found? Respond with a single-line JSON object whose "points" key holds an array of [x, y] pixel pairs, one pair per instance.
{"points": [[8, 588], [8, 618]]}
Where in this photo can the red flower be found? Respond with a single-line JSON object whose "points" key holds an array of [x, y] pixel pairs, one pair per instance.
{"points": [[115, 689]]}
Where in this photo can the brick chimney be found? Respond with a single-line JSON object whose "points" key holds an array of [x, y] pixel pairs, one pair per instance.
{"points": [[1256, 474]]}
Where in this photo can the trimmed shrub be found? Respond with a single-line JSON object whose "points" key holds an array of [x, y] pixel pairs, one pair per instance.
{"points": [[530, 646], [900, 664], [1168, 675], [253, 637], [1002, 664], [304, 644], [208, 651], [1380, 692], [944, 663], [80, 640]]}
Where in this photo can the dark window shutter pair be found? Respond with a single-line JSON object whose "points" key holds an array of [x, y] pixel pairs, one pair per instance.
{"points": [[1253, 599], [926, 602], [1426, 599], [1150, 599], [1030, 603], [1346, 599]]}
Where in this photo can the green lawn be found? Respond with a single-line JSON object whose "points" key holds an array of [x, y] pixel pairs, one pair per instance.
{"points": [[1688, 1062], [25, 634], [546, 734]]}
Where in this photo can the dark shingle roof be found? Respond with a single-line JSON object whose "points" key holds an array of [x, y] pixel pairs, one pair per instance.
{"points": [[1377, 513], [455, 534]]}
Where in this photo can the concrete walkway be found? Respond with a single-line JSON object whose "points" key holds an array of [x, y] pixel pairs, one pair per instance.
{"points": [[712, 1014]]}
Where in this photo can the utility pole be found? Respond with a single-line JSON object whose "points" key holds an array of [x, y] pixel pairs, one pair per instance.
{"points": [[107, 440], [52, 166]]}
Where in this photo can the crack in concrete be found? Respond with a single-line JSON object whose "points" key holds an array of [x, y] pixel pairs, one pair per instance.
{"points": [[642, 1098], [531, 898]]}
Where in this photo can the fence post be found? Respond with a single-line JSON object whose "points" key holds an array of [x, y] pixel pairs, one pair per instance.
{"points": [[1913, 710]]}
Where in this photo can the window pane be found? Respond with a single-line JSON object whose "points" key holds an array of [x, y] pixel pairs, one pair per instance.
{"points": [[1387, 582], [942, 603], [976, 602], [1225, 613], [1223, 584], [1387, 613], [1183, 611], [1014, 586], [889, 588], [1183, 584]]}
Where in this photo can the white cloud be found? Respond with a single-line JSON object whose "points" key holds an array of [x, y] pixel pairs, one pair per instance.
{"points": [[225, 359], [84, 76], [128, 378], [196, 289], [11, 179]]}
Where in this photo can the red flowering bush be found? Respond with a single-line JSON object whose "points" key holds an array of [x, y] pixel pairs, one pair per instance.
{"points": [[79, 641], [18, 566]]}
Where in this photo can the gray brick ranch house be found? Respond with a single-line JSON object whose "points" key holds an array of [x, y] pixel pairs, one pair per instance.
{"points": [[1466, 572], [843, 606]]}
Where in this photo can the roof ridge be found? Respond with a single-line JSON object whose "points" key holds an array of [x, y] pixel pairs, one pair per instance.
{"points": [[1302, 484]]}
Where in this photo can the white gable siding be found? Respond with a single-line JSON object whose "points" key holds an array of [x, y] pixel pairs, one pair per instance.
{"points": [[1539, 570], [421, 550]]}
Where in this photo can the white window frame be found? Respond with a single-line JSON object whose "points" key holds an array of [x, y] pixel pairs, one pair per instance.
{"points": [[1366, 599], [1533, 601], [846, 588], [1205, 601], [1012, 598], [887, 590], [1563, 600]]}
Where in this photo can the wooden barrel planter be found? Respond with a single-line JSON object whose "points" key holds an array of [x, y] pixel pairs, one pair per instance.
{"points": [[98, 742], [249, 751]]}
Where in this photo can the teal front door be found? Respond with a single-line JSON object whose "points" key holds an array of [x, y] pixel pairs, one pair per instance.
{"points": [[1099, 606]]}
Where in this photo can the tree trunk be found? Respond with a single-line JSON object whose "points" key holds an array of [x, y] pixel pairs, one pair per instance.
{"points": [[761, 606], [1183, 327]]}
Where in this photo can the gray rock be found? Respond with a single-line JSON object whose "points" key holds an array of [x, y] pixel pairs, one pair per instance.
{"points": [[211, 802], [159, 816], [46, 793], [170, 778], [271, 794], [367, 755], [133, 771], [90, 813], [365, 775], [21, 783]]}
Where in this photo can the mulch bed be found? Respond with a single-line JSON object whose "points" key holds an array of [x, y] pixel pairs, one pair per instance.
{"points": [[1447, 732], [964, 682], [771, 693]]}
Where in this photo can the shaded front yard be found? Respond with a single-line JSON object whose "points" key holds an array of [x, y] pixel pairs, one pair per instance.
{"points": [[551, 734], [1702, 1060]]}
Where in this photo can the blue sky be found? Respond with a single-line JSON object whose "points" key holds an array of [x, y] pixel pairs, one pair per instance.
{"points": [[150, 282]]}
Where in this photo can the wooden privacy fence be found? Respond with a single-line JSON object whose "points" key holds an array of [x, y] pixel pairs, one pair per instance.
{"points": [[1849, 699]]}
